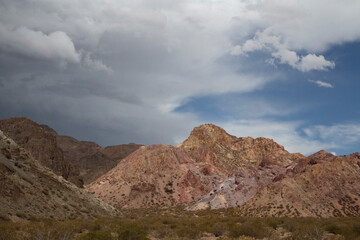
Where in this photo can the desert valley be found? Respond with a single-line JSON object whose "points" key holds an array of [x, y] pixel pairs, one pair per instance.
{"points": [[235, 183]]}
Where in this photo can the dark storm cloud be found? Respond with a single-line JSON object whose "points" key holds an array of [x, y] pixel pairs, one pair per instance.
{"points": [[114, 71]]}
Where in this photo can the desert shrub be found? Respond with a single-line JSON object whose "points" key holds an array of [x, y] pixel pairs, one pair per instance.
{"points": [[304, 228], [102, 235], [308, 232], [163, 232], [274, 223], [333, 228], [251, 228], [49, 230], [218, 229], [131, 232], [187, 232], [6, 231]]}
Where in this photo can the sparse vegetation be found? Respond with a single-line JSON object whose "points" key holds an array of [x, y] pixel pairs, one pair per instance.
{"points": [[143, 224]]}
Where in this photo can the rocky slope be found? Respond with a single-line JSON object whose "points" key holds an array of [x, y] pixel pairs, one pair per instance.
{"points": [[155, 176], [322, 185], [40, 142], [93, 160], [210, 143], [29, 190], [211, 169]]}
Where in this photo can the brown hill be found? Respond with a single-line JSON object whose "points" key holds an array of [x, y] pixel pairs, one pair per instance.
{"points": [[326, 186], [93, 160], [29, 191], [212, 144], [119, 152], [208, 167], [155, 176], [40, 142]]}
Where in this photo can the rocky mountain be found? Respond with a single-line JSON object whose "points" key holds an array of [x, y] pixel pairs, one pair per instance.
{"points": [[40, 142], [155, 176], [211, 169], [212, 144], [80, 162], [29, 190], [92, 159], [322, 185]]}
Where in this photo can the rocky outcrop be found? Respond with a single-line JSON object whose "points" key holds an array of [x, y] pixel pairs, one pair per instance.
{"points": [[155, 176], [324, 187], [211, 169], [239, 188], [210, 143], [31, 191], [40, 142], [92, 159]]}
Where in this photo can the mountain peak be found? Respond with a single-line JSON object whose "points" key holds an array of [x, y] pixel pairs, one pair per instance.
{"points": [[210, 143], [206, 134]]}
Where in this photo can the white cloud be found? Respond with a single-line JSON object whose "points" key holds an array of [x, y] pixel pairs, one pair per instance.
{"points": [[313, 62], [287, 27], [322, 84], [310, 25], [342, 134], [54, 46], [280, 51]]}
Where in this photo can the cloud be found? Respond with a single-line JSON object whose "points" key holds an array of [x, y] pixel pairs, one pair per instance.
{"points": [[308, 25], [286, 28], [322, 84], [313, 62], [280, 52], [96, 64], [343, 134], [158, 55], [54, 46]]}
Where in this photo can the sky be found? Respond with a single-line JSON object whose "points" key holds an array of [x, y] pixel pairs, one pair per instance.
{"points": [[116, 71]]}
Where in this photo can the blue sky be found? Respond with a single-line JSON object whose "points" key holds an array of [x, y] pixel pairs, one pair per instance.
{"points": [[119, 71], [296, 96]]}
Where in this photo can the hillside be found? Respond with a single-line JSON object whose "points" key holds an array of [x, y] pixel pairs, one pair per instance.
{"points": [[92, 159], [326, 186], [30, 191], [40, 142], [205, 169]]}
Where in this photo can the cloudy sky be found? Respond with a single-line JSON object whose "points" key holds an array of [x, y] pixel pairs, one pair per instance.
{"points": [[115, 71]]}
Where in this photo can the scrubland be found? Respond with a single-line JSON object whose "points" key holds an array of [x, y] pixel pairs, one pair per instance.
{"points": [[175, 223]]}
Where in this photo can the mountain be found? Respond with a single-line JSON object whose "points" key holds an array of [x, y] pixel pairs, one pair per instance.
{"points": [[205, 169], [323, 185], [29, 190], [155, 176], [80, 162], [211, 143], [92, 159], [40, 142]]}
